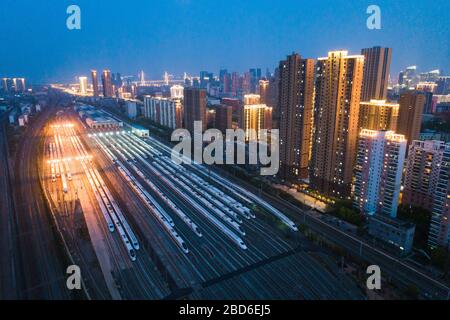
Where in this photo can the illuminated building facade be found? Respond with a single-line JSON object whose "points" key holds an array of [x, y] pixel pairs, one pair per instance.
{"points": [[422, 173], [94, 83], [378, 115], [264, 91], [410, 115], [163, 111], [176, 92], [378, 172], [439, 234], [377, 62], [295, 107], [336, 112], [255, 116], [83, 85], [108, 90]]}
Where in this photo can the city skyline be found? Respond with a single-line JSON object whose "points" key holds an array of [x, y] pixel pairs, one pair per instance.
{"points": [[191, 150], [187, 36]]}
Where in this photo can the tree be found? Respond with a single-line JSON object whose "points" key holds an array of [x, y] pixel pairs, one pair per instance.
{"points": [[421, 218], [440, 257]]}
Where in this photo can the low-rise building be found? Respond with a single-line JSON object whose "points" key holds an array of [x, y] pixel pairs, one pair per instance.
{"points": [[396, 232]]}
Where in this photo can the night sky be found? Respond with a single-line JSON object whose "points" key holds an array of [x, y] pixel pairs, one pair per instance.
{"points": [[192, 35]]}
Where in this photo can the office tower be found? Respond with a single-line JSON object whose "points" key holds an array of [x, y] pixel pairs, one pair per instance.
{"points": [[378, 115], [222, 73], [401, 76], [430, 76], [107, 84], [23, 87], [429, 104], [254, 77], [439, 234], [234, 83], [377, 62], [408, 77], [273, 95], [163, 111], [14, 81], [176, 92], [5, 84], [83, 85], [378, 172], [422, 172], [226, 86], [196, 82], [19, 84], [94, 82], [443, 85], [336, 111], [118, 80], [194, 107], [295, 107], [205, 78], [224, 79], [246, 83], [264, 91], [426, 86], [255, 116], [224, 118], [410, 115], [142, 77]]}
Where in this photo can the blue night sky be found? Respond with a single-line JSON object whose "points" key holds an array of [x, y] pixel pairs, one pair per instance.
{"points": [[193, 35]]}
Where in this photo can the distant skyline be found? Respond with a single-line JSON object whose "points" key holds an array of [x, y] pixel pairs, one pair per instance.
{"points": [[193, 35]]}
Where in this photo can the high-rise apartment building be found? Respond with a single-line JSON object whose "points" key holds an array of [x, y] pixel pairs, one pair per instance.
{"points": [[378, 172], [422, 172], [108, 90], [224, 118], [295, 109], [163, 111], [410, 115], [439, 234], [234, 83], [336, 112], [95, 83], [378, 115], [255, 116], [377, 63], [194, 107], [83, 84], [264, 91]]}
